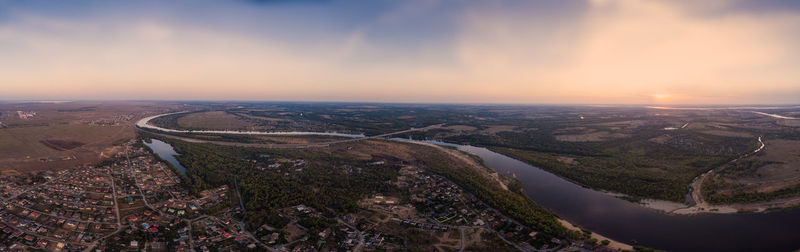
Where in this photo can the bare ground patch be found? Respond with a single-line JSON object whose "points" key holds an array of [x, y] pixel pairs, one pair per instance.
{"points": [[56, 146], [567, 160], [494, 129], [660, 139], [624, 124], [779, 168], [460, 127], [591, 136], [214, 120], [728, 133], [273, 119], [61, 145]]}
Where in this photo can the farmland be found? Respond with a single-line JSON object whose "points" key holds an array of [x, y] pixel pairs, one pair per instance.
{"points": [[59, 135]]}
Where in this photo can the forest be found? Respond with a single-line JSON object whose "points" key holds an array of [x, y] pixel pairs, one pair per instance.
{"points": [[324, 183], [333, 182]]}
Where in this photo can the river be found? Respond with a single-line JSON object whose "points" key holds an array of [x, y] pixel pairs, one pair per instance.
{"points": [[166, 152], [629, 222], [632, 223]]}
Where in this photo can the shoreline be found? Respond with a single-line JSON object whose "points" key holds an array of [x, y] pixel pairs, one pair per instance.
{"points": [[613, 243], [677, 208], [701, 206]]}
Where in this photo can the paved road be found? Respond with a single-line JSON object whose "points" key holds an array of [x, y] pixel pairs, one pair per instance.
{"points": [[463, 239], [136, 182]]}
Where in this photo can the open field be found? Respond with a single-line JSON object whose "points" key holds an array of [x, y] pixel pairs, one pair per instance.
{"points": [[214, 120], [41, 136], [590, 136], [267, 139], [60, 145], [771, 174]]}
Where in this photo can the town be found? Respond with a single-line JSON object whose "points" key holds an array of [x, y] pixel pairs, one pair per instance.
{"points": [[132, 203], [135, 201]]}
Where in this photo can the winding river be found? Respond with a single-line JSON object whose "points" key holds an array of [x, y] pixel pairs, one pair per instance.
{"points": [[144, 123], [632, 223]]}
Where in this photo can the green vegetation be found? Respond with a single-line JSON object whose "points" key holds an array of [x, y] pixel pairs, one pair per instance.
{"points": [[634, 166], [643, 153], [512, 203], [330, 182], [326, 183], [741, 194], [168, 121], [745, 168]]}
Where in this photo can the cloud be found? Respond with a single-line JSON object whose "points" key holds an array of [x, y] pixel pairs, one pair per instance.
{"points": [[500, 51], [628, 50]]}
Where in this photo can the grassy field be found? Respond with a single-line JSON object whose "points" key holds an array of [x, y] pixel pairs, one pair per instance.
{"points": [[24, 148], [214, 120], [772, 173], [266, 139], [62, 135]]}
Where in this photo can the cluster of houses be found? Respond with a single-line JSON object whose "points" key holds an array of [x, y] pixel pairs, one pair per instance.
{"points": [[342, 236], [26, 114], [68, 211], [441, 200], [114, 120], [16, 184], [136, 203], [445, 206], [214, 232], [286, 166], [132, 203]]}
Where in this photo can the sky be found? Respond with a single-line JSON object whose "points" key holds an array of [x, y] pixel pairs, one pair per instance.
{"points": [[539, 52]]}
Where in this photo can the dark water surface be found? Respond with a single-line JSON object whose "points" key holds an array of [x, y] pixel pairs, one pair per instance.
{"points": [[628, 222], [166, 152]]}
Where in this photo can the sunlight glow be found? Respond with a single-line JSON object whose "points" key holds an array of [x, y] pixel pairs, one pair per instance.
{"points": [[662, 96]]}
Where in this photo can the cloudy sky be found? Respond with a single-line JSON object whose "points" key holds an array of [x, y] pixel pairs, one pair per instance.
{"points": [[560, 51]]}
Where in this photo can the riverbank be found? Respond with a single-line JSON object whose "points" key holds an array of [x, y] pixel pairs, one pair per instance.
{"points": [[613, 243], [701, 206]]}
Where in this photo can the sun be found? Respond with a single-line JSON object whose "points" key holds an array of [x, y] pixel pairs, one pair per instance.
{"points": [[661, 97]]}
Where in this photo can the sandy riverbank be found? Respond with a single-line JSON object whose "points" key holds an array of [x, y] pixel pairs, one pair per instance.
{"points": [[614, 244]]}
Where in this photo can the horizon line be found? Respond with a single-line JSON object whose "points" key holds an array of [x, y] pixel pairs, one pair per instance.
{"points": [[654, 105]]}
